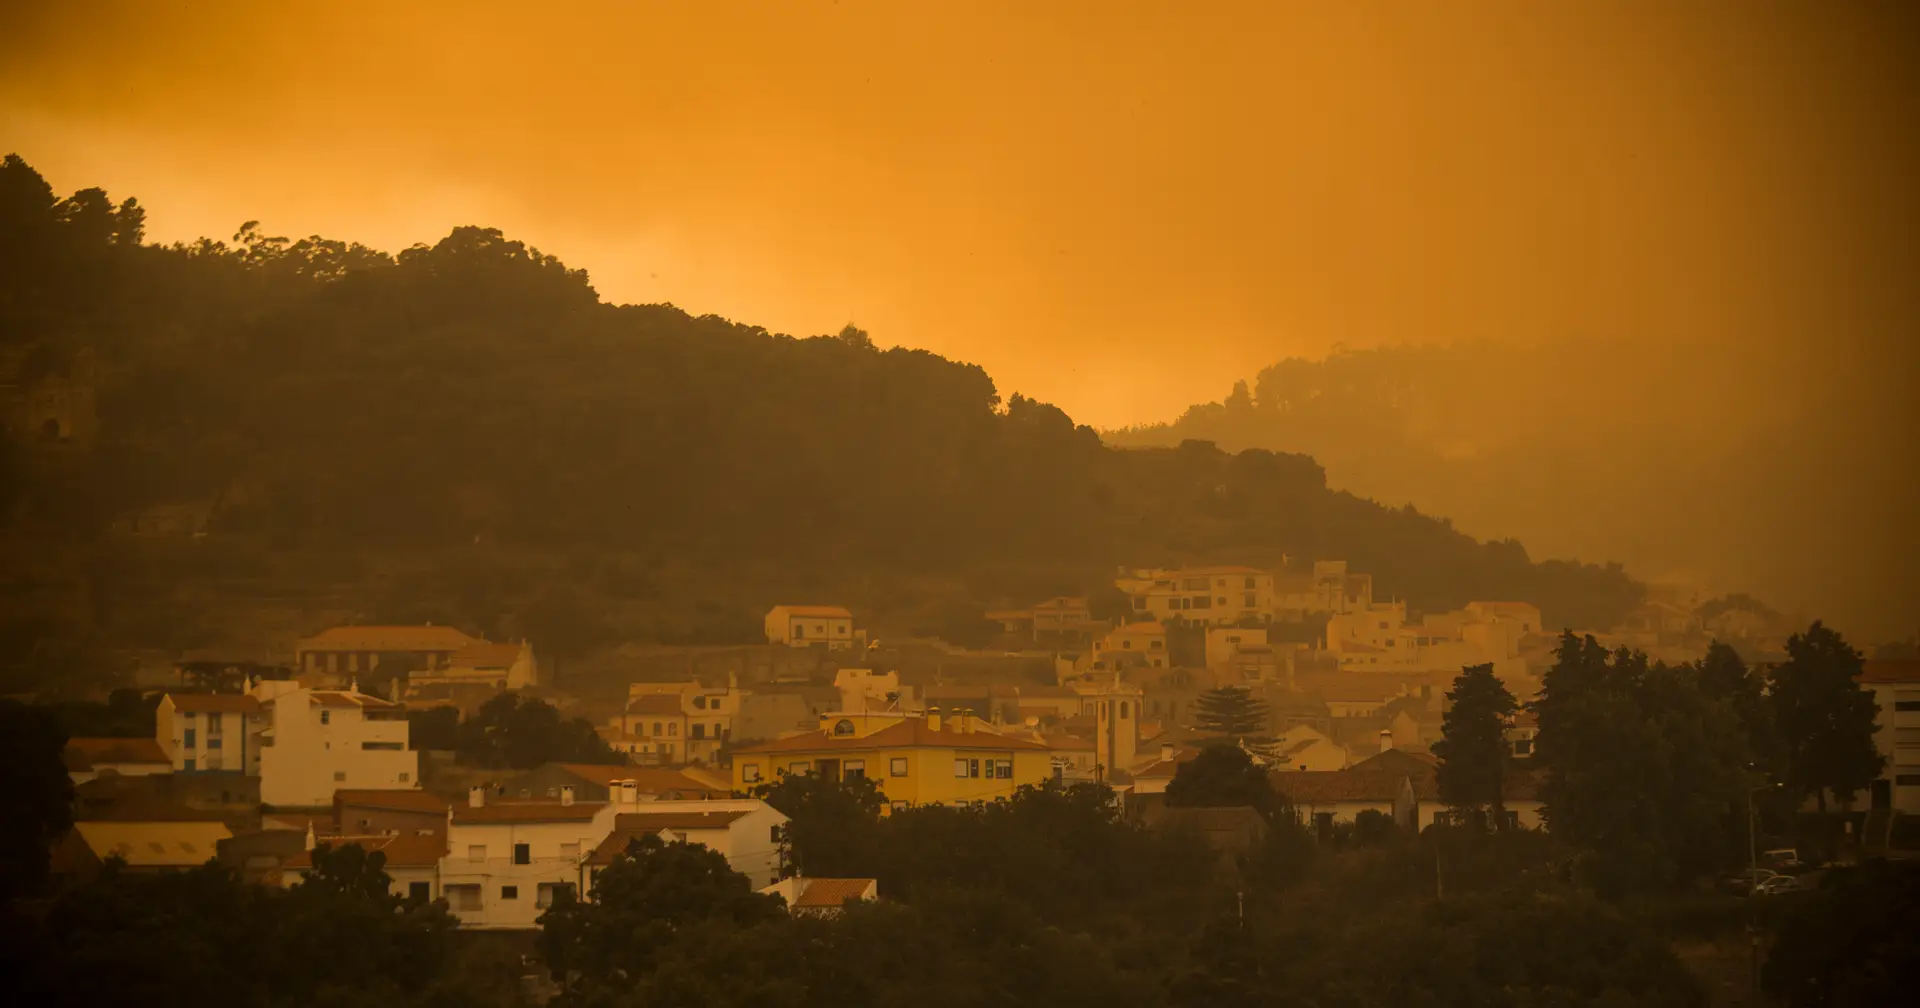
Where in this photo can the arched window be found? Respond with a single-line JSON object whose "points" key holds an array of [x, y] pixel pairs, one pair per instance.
{"points": [[843, 727], [673, 729], [656, 727], [699, 703], [1123, 710]]}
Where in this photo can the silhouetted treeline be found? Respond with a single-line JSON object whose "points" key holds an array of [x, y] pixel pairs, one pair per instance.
{"points": [[476, 395]]}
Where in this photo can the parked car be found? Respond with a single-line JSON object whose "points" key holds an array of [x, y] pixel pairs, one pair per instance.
{"points": [[1777, 885], [1744, 882]]}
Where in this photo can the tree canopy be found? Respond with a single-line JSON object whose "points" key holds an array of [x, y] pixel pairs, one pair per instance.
{"points": [[563, 461], [1823, 719], [521, 732], [1473, 746]]}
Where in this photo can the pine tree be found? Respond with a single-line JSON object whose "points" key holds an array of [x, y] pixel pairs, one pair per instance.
{"points": [[1823, 718], [1473, 743], [1231, 711]]}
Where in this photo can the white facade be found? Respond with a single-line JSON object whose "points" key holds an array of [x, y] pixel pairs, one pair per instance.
{"points": [[807, 625], [1896, 689], [210, 733], [1216, 595], [749, 841], [505, 862], [319, 741]]}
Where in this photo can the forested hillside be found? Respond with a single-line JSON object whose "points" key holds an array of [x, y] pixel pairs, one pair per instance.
{"points": [[465, 432]]}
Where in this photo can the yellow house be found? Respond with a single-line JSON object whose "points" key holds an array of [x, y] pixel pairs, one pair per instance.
{"points": [[914, 759]]}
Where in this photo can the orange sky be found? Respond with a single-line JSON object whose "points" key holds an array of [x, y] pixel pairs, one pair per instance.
{"points": [[1119, 207]]}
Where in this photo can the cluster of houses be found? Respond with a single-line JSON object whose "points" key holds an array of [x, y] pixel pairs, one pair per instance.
{"points": [[261, 775]]}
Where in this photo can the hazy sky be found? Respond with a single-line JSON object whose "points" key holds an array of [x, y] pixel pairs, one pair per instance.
{"points": [[1119, 207]]}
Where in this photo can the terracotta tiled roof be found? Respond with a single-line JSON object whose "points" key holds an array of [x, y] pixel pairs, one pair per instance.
{"points": [[913, 732], [215, 703], [1905, 670], [386, 638], [503, 810], [654, 703], [152, 844], [402, 799], [403, 850], [1405, 762], [816, 611], [649, 780], [86, 753], [833, 892], [629, 827]]}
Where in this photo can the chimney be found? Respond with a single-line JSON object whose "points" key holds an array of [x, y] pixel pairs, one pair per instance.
{"points": [[933, 719], [1386, 739], [310, 841], [476, 797], [626, 793], [1166, 752], [566, 794]]}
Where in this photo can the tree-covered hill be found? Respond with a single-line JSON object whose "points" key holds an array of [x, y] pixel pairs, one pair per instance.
{"points": [[326, 400]]}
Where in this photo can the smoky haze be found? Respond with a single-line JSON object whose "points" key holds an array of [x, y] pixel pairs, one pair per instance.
{"points": [[1698, 224]]}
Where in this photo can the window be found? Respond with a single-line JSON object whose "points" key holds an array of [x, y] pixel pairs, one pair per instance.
{"points": [[1125, 709], [1907, 779], [1202, 602], [213, 724], [672, 729], [773, 833], [799, 631], [509, 892], [1003, 769], [395, 746], [189, 715], [843, 727], [477, 852], [749, 772], [213, 743], [799, 767], [326, 717], [404, 776], [897, 766], [1251, 585], [959, 768], [1251, 600], [570, 851], [697, 730], [191, 738], [1139, 601], [522, 853], [1523, 747], [463, 897], [1126, 644], [419, 892], [854, 769], [656, 728], [1902, 737], [339, 775], [543, 896], [1156, 644], [187, 764], [973, 768], [1221, 601], [1383, 624], [699, 703]]}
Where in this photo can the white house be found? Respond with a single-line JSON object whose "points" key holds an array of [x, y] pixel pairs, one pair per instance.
{"points": [[210, 732], [806, 625], [745, 831], [412, 861], [320, 741], [1217, 595], [505, 860], [508, 666], [1896, 689]]}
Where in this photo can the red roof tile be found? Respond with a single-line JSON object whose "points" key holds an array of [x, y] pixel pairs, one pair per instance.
{"points": [[214, 703], [833, 892], [649, 780], [402, 799], [402, 850], [631, 826]]}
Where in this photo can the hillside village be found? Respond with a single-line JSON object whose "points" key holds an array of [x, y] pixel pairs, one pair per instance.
{"points": [[1336, 695]]}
